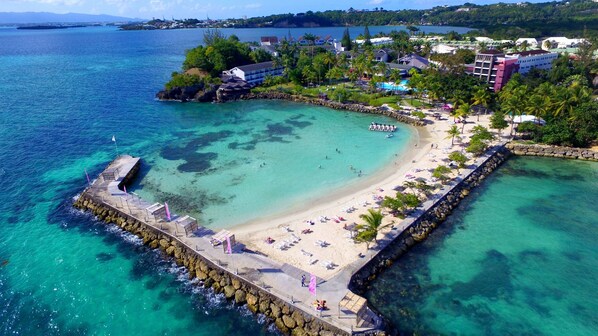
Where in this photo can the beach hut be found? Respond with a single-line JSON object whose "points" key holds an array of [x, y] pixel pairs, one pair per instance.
{"points": [[353, 304], [222, 238], [189, 224], [528, 118], [157, 210]]}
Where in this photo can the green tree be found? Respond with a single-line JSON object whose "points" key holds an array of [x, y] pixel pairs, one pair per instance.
{"points": [[458, 158], [476, 147], [372, 225], [452, 133], [498, 122], [367, 37], [441, 172], [481, 97], [346, 40], [462, 112]]}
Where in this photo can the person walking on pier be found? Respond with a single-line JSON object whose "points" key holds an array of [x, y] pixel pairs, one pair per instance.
{"points": [[303, 280]]}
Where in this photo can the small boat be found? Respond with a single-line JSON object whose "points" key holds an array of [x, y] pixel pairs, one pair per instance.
{"points": [[388, 136]]}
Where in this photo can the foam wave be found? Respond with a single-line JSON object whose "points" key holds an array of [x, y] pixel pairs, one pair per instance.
{"points": [[126, 236]]}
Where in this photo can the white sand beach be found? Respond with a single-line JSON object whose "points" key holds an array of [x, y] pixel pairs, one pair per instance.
{"points": [[328, 248]]}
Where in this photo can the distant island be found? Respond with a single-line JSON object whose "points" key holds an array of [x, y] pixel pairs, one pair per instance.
{"points": [[54, 19], [45, 27], [572, 18]]}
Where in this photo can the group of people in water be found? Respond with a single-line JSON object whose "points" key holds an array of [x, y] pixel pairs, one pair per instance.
{"points": [[382, 127]]}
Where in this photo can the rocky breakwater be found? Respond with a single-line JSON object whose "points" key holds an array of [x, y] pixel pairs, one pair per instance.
{"points": [[426, 223], [288, 319], [552, 151], [196, 93], [404, 118]]}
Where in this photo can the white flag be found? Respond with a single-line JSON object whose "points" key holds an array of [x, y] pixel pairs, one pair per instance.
{"points": [[113, 139]]}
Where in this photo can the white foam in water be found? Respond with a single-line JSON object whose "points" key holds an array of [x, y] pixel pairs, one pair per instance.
{"points": [[126, 236]]}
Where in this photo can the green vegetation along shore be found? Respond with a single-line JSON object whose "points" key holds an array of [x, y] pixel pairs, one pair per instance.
{"points": [[497, 20]]}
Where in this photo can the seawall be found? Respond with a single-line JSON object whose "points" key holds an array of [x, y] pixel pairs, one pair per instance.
{"points": [[552, 151], [427, 222], [404, 118], [210, 266]]}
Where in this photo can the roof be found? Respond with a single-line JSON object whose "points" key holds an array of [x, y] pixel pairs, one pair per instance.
{"points": [[531, 52], [256, 66], [490, 52]]}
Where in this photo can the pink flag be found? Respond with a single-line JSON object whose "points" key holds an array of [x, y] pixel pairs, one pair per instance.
{"points": [[125, 188], [312, 284], [228, 248], [167, 211], [87, 175]]}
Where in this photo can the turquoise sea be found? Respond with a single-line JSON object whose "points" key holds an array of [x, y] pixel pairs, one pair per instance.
{"points": [[66, 93], [518, 257]]}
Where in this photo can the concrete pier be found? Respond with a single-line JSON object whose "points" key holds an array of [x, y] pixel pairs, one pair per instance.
{"points": [[267, 286], [347, 313]]}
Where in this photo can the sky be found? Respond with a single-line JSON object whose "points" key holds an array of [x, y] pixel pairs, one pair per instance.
{"points": [[214, 9]]}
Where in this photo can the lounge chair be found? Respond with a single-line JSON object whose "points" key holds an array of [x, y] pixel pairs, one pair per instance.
{"points": [[305, 253]]}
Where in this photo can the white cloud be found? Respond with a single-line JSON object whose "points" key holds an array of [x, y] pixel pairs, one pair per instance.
{"points": [[375, 2], [253, 5]]}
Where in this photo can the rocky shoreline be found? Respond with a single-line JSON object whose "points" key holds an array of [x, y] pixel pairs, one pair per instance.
{"points": [[211, 93], [426, 223], [288, 319], [552, 151]]}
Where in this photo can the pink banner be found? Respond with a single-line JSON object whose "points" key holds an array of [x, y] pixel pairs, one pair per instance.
{"points": [[228, 248], [125, 188], [167, 211], [312, 284]]}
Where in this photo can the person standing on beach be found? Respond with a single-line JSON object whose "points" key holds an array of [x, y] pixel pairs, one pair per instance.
{"points": [[303, 280]]}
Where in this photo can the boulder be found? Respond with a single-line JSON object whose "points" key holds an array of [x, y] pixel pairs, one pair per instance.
{"points": [[240, 296], [229, 291], [251, 299], [275, 310], [236, 283], [279, 323], [298, 317], [289, 322], [164, 243]]}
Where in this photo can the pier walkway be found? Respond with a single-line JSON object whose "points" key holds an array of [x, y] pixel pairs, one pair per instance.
{"points": [[279, 279]]}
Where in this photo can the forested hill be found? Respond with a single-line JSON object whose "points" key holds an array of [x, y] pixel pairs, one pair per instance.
{"points": [[500, 20]]}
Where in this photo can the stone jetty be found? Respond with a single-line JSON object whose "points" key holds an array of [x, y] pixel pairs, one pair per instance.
{"points": [[265, 285], [247, 277]]}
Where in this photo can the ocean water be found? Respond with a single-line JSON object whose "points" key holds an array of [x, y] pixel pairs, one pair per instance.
{"points": [[66, 93], [518, 257]]}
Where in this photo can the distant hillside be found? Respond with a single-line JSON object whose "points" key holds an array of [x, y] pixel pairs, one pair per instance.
{"points": [[571, 18], [45, 17]]}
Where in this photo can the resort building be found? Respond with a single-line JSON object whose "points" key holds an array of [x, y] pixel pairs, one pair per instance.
{"points": [[532, 43], [381, 56], [255, 74], [268, 40], [376, 41], [560, 42], [415, 61], [496, 68], [534, 59]]}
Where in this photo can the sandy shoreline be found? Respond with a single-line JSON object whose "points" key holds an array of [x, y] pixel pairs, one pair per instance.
{"points": [[427, 150]]}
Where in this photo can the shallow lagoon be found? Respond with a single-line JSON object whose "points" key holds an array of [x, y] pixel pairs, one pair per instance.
{"points": [[519, 256], [231, 163]]}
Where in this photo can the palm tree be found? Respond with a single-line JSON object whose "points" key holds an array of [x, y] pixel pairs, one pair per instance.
{"points": [[463, 112], [369, 230], [452, 133], [481, 97]]}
